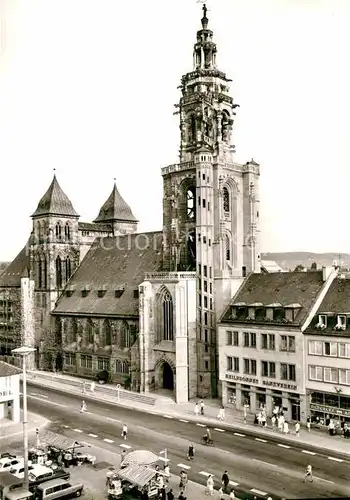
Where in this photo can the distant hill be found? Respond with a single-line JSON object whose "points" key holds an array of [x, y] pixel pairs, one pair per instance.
{"points": [[3, 266], [289, 260]]}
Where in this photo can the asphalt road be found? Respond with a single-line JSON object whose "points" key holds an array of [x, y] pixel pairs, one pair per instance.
{"points": [[262, 465]]}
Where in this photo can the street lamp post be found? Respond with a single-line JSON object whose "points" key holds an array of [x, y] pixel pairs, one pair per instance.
{"points": [[24, 351]]}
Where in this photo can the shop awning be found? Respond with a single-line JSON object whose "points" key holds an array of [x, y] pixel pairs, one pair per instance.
{"points": [[137, 474], [20, 494]]}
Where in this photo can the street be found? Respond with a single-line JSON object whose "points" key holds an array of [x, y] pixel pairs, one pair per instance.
{"points": [[264, 465]]}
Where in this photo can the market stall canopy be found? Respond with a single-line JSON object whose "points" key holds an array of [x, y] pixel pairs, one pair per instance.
{"points": [[138, 475], [141, 457]]}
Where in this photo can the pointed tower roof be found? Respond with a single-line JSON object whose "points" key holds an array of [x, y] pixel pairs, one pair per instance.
{"points": [[115, 208], [55, 202]]}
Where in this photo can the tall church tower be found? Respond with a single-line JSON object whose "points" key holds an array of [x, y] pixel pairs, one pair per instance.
{"points": [[54, 254], [211, 203]]}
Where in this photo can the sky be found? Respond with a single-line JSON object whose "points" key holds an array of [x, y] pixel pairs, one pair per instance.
{"points": [[87, 87]]}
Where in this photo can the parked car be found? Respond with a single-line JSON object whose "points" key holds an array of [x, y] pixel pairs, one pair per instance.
{"points": [[43, 473], [7, 462], [57, 489], [18, 469]]}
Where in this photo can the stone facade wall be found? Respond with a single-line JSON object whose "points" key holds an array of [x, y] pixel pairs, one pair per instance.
{"points": [[11, 327], [28, 319]]}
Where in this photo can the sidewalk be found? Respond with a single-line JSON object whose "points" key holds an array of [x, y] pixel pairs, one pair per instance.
{"points": [[10, 430], [166, 406]]}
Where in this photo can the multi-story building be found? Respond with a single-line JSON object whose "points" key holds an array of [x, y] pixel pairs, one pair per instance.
{"points": [[162, 292], [261, 340], [327, 360]]}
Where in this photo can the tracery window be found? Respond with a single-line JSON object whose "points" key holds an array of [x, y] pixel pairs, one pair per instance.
{"points": [[74, 330], [67, 231], [68, 269], [226, 199], [44, 264], [40, 274], [227, 247], [168, 316], [107, 333], [125, 339], [58, 272], [90, 332], [58, 230], [190, 203]]}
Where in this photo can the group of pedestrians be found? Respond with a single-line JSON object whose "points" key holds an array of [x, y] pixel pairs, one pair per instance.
{"points": [[199, 408]]}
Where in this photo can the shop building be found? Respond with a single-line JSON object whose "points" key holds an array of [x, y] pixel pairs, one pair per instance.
{"points": [[9, 393], [327, 361], [261, 341]]}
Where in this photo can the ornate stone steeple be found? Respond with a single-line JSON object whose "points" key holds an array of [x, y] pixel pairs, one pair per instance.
{"points": [[117, 212]]}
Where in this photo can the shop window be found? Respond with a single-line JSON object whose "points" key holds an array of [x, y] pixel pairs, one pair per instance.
{"points": [[330, 349], [232, 364], [315, 347], [330, 375], [232, 338], [316, 373], [288, 372]]}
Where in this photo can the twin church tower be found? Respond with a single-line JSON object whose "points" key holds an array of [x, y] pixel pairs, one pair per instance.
{"points": [[210, 237]]}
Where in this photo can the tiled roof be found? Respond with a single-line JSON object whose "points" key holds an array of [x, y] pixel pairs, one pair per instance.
{"points": [[336, 302], [115, 209], [19, 268], [112, 264], [283, 288], [7, 370], [55, 202], [91, 226]]}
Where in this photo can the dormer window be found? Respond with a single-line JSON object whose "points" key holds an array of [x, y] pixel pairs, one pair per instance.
{"points": [[136, 294], [119, 293], [278, 314], [341, 322], [69, 293], [241, 312], [322, 321], [101, 293], [85, 292]]}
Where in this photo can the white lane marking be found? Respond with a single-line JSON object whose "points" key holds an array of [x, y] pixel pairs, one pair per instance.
{"points": [[238, 434], [219, 430], [321, 479], [184, 466], [261, 440], [47, 401], [222, 451], [38, 394], [108, 441], [283, 445], [182, 420], [168, 416], [77, 430], [232, 483], [201, 425], [264, 463], [258, 492], [93, 435], [126, 446], [112, 419], [205, 473], [308, 452], [335, 459]]}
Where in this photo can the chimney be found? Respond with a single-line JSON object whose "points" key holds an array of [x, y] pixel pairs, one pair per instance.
{"points": [[326, 271]]}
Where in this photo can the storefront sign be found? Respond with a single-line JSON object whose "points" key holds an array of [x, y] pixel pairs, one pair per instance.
{"points": [[280, 385], [242, 378], [6, 394], [333, 410]]}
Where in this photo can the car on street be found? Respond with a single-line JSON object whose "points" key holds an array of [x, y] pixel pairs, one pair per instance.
{"points": [[10, 461], [57, 489], [18, 469], [42, 474]]}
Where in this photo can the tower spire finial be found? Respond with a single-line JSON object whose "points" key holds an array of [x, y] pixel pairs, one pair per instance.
{"points": [[204, 19]]}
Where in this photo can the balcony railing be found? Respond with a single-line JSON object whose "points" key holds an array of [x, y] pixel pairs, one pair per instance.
{"points": [[170, 276]]}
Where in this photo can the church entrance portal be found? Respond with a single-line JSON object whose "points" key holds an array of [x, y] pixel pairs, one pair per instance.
{"points": [[168, 377]]}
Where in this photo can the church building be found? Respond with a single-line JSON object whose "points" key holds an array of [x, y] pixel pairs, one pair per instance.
{"points": [[144, 307]]}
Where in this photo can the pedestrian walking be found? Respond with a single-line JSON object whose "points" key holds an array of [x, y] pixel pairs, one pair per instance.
{"points": [[273, 422], [210, 485], [190, 454], [202, 407], [92, 386], [162, 494], [297, 429], [308, 424], [183, 480], [170, 495], [308, 478], [83, 387], [124, 432], [221, 414], [196, 409], [225, 480], [181, 496], [285, 428], [83, 407], [167, 472]]}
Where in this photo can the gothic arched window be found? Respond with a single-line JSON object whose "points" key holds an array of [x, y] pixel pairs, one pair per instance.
{"points": [[90, 332], [39, 231], [107, 333], [67, 231], [58, 272], [190, 203], [58, 230], [44, 262], [125, 339], [227, 248], [68, 268], [74, 330], [40, 274], [168, 316], [226, 199], [193, 129]]}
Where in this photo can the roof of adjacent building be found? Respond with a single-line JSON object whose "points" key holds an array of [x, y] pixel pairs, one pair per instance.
{"points": [[55, 202], [336, 302], [111, 264], [277, 289], [19, 268], [7, 370], [92, 226], [115, 208], [270, 266]]}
